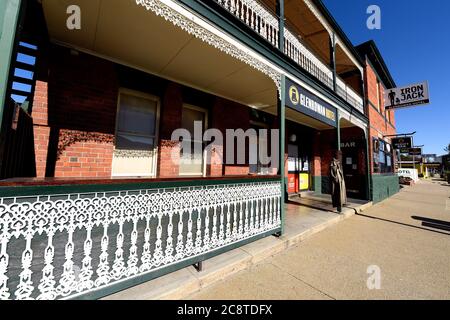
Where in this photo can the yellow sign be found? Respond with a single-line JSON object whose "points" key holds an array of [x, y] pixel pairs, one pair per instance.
{"points": [[304, 181], [330, 115], [294, 95]]}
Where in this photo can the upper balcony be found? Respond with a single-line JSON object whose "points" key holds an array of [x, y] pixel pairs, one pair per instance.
{"points": [[308, 40]]}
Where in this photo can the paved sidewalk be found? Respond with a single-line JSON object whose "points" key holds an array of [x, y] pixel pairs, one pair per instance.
{"points": [[304, 218], [406, 236]]}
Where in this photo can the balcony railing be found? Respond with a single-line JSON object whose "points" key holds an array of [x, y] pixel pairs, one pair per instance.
{"points": [[69, 241], [256, 16], [297, 51], [265, 23], [349, 95]]}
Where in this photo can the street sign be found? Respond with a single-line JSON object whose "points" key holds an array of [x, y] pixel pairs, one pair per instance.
{"points": [[407, 96], [402, 143], [415, 151]]}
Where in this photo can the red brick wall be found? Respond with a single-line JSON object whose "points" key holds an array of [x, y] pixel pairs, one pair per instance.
{"points": [[74, 114], [170, 120], [239, 120], [41, 128], [316, 156], [84, 154], [328, 147], [379, 124]]}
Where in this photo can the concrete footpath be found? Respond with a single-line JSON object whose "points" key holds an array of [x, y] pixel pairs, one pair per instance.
{"points": [[406, 238], [305, 217]]}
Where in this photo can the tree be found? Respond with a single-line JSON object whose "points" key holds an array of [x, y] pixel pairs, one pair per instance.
{"points": [[447, 148]]}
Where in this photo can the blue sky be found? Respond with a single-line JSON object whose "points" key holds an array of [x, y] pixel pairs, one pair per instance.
{"points": [[415, 42]]}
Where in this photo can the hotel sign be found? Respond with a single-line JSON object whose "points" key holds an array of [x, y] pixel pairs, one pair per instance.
{"points": [[402, 143], [407, 96], [415, 151], [302, 100]]}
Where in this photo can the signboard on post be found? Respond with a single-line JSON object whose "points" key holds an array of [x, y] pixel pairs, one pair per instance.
{"points": [[409, 173], [402, 143], [300, 99], [407, 96], [415, 151]]}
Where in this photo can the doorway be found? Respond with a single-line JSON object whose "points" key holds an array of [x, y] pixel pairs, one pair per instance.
{"points": [[298, 169], [136, 135]]}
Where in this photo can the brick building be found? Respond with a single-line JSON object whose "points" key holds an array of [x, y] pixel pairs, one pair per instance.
{"points": [[88, 143], [377, 79]]}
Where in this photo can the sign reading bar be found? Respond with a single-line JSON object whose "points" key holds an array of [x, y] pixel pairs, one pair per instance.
{"points": [[407, 96], [402, 143], [415, 151], [302, 100]]}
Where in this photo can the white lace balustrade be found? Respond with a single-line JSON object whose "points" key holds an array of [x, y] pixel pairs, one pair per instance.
{"points": [[256, 16], [61, 246]]}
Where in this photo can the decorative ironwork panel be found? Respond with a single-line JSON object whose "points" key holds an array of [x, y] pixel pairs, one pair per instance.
{"points": [[65, 245]]}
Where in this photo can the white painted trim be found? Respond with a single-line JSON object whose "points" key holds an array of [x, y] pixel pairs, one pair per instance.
{"points": [[156, 137], [205, 111]]}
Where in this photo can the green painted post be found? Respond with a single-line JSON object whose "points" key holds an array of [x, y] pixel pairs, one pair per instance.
{"points": [[280, 14], [369, 171], [332, 40], [10, 11], [281, 115], [338, 128], [282, 127]]}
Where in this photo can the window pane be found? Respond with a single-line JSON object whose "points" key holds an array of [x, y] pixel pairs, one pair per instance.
{"points": [[192, 163], [137, 115], [382, 157], [189, 116], [133, 142]]}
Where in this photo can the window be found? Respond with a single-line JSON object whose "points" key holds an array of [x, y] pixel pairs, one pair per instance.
{"points": [[193, 164], [378, 96], [376, 156], [136, 135], [260, 168], [382, 156]]}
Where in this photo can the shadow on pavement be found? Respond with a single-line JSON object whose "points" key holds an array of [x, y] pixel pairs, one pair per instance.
{"points": [[316, 207], [433, 223], [402, 224]]}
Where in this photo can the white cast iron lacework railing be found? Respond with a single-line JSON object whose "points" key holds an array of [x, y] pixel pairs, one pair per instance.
{"points": [[63, 246], [265, 23], [256, 16], [349, 95], [297, 51]]}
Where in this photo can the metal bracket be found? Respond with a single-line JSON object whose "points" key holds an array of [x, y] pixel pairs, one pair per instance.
{"points": [[198, 266], [277, 235]]}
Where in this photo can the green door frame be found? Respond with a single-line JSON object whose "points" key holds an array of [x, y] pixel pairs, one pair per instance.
{"points": [[11, 12]]}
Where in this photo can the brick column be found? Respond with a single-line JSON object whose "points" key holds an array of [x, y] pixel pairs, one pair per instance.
{"points": [[170, 120], [41, 127]]}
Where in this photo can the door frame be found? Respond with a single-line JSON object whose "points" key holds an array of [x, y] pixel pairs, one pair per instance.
{"points": [[156, 138], [204, 155]]}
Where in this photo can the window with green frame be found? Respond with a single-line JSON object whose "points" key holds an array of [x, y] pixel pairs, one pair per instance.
{"points": [[382, 156]]}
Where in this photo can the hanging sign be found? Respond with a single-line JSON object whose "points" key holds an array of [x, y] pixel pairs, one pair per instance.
{"points": [[415, 151], [407, 96], [402, 143], [302, 100]]}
